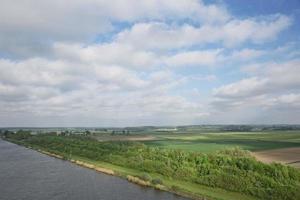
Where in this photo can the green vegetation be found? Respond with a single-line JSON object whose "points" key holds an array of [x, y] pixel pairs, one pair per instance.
{"points": [[199, 174], [211, 142]]}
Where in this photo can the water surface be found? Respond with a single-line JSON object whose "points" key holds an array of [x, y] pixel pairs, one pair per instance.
{"points": [[29, 175]]}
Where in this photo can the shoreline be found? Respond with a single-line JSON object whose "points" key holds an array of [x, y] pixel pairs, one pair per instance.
{"points": [[130, 178], [181, 188]]}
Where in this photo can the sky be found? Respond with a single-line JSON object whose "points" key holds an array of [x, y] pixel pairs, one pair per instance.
{"points": [[150, 62]]}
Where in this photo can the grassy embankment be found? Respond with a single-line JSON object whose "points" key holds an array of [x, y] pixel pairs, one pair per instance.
{"points": [[224, 175]]}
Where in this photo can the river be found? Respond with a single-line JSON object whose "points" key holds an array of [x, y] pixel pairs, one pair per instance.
{"points": [[29, 175]]}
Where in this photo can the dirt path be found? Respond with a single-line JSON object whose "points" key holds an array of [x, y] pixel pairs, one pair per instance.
{"points": [[290, 156]]}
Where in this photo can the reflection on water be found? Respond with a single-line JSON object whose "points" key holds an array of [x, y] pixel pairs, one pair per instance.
{"points": [[27, 174]]}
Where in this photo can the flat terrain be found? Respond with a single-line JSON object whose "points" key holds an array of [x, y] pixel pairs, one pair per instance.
{"points": [[126, 138], [211, 142], [208, 164], [289, 156], [269, 146]]}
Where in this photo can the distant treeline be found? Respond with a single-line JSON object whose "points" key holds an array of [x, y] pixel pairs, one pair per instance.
{"points": [[259, 127], [153, 129], [233, 170]]}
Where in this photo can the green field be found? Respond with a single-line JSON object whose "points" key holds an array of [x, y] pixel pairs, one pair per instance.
{"points": [[210, 164], [210, 142]]}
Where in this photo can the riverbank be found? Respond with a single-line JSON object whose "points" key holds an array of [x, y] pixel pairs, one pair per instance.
{"points": [[229, 174], [30, 175], [182, 188]]}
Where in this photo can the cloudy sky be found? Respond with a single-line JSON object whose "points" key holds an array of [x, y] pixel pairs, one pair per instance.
{"points": [[150, 62]]}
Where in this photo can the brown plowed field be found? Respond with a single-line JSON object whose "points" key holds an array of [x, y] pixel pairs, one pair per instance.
{"points": [[290, 156]]}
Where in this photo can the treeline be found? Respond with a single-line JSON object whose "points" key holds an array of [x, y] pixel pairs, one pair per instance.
{"points": [[19, 135], [246, 128], [233, 170]]}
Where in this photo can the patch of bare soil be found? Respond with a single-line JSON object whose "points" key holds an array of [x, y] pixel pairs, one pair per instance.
{"points": [[126, 138], [290, 156], [138, 138]]}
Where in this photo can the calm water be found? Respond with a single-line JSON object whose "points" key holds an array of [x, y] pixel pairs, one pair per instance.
{"points": [[27, 174]]}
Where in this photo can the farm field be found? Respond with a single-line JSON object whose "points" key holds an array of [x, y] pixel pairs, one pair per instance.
{"points": [[209, 142], [190, 162], [264, 144], [290, 156], [283, 146]]}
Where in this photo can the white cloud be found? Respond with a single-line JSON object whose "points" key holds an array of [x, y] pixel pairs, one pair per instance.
{"points": [[66, 87], [234, 32], [254, 30], [289, 99], [29, 27], [210, 77], [194, 58], [211, 57], [275, 85], [163, 9], [244, 87], [122, 59], [106, 54], [66, 75], [247, 54]]}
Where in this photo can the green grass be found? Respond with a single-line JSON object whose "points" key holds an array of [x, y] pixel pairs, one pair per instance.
{"points": [[210, 142], [124, 155], [187, 145], [185, 187]]}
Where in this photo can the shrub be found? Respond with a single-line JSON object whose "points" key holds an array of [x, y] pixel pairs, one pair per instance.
{"points": [[157, 181], [175, 188], [231, 169], [145, 177]]}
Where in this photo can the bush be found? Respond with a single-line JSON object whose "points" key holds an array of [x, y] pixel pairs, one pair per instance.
{"points": [[231, 169], [157, 181], [145, 177], [175, 188]]}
